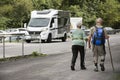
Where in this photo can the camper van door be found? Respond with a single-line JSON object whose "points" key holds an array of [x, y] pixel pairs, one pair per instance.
{"points": [[54, 27]]}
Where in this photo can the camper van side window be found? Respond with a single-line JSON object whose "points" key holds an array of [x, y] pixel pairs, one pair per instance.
{"points": [[60, 22], [52, 21], [65, 21]]}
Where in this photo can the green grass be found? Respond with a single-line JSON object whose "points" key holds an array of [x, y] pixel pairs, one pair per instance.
{"points": [[35, 54], [115, 76]]}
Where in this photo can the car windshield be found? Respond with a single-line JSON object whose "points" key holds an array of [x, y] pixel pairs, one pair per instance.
{"points": [[39, 22]]}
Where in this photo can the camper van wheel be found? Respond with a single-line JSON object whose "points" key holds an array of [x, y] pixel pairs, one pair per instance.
{"points": [[64, 38], [28, 41], [49, 38], [43, 41]]}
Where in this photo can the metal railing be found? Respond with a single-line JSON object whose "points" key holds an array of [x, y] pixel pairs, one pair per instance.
{"points": [[3, 36]]}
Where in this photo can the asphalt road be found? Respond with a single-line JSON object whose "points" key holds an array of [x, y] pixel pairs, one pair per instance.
{"points": [[57, 66]]}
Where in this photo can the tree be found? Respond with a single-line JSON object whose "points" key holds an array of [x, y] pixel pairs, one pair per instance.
{"points": [[46, 4], [110, 12], [14, 13], [3, 21], [21, 12]]}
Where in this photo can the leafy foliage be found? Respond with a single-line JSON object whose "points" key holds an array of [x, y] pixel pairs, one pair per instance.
{"points": [[14, 13]]}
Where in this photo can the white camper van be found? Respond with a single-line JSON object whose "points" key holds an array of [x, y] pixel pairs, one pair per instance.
{"points": [[47, 25]]}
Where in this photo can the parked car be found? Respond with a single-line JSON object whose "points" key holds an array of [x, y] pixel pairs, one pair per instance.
{"points": [[1, 33], [17, 31], [110, 30], [87, 32], [117, 30]]}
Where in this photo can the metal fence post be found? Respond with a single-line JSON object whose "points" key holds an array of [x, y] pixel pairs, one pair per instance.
{"points": [[23, 45], [3, 47], [10, 39], [40, 44]]}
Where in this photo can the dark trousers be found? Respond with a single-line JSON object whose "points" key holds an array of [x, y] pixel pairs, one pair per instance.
{"points": [[75, 50]]}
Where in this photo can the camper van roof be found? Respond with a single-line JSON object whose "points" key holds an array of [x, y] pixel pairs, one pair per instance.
{"points": [[48, 13], [43, 12]]}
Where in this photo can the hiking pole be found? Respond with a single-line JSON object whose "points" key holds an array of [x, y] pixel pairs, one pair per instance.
{"points": [[85, 46], [110, 54]]}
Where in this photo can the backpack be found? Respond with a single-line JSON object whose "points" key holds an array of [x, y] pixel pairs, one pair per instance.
{"points": [[98, 37]]}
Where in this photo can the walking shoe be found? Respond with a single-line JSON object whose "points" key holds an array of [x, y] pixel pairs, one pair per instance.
{"points": [[83, 68], [102, 67], [96, 69], [72, 68]]}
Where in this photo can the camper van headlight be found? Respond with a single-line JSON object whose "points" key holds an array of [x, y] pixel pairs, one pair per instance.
{"points": [[45, 29], [43, 33]]}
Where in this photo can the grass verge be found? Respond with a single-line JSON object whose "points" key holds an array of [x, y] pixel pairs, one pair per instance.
{"points": [[117, 77]]}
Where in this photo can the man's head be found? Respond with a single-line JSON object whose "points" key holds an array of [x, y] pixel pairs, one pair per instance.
{"points": [[79, 24], [99, 21]]}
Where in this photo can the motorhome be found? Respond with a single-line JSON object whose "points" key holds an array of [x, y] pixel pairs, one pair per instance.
{"points": [[47, 25]]}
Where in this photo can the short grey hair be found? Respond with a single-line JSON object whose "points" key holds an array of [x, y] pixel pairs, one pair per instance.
{"points": [[79, 24], [99, 20]]}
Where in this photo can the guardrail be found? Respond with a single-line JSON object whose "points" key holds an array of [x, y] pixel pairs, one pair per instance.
{"points": [[2, 36], [20, 50]]}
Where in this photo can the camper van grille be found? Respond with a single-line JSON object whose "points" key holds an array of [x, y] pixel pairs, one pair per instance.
{"points": [[34, 33]]}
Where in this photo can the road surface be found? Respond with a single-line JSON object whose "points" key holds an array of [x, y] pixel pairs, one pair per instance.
{"points": [[57, 66]]}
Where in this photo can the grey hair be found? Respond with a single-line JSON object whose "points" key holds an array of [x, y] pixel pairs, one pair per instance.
{"points": [[79, 24], [99, 19]]}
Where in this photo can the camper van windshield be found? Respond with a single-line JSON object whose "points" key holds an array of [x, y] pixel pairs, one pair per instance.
{"points": [[39, 22]]}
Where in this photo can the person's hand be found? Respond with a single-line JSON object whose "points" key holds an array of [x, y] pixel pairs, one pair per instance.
{"points": [[107, 37], [89, 42]]}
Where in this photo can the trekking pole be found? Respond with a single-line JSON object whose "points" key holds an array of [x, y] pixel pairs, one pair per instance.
{"points": [[85, 49], [110, 55]]}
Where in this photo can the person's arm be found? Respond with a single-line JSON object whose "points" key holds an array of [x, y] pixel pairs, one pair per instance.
{"points": [[90, 37], [106, 35], [89, 41]]}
